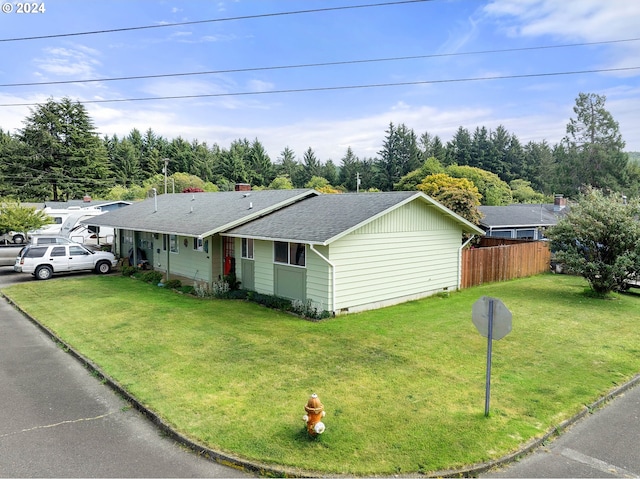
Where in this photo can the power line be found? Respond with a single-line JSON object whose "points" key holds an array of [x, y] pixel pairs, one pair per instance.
{"points": [[214, 20], [324, 64], [345, 87]]}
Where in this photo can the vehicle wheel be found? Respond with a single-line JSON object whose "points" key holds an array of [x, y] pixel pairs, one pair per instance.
{"points": [[18, 239], [43, 272], [103, 267]]}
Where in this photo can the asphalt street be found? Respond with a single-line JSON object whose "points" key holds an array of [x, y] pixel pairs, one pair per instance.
{"points": [[57, 420], [603, 444]]}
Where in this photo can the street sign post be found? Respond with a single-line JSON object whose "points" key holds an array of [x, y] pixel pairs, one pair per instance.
{"points": [[493, 321]]}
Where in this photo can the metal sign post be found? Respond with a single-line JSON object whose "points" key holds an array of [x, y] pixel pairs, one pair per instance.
{"points": [[487, 395], [493, 320]]}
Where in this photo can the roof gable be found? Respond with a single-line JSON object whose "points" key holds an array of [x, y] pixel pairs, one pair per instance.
{"points": [[198, 214]]}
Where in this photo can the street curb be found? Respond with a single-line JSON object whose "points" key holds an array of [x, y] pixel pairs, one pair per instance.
{"points": [[265, 470]]}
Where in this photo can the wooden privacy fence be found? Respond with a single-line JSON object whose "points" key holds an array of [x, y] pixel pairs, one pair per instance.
{"points": [[499, 259]]}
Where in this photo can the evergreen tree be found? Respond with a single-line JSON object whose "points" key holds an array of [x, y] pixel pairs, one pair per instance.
{"points": [[125, 164], [261, 169], [349, 171], [310, 167], [459, 148], [399, 155], [594, 145], [65, 149]]}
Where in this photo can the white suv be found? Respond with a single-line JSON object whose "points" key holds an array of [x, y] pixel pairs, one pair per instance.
{"points": [[43, 261]]}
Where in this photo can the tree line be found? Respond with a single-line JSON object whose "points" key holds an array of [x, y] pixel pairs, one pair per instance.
{"points": [[58, 155]]}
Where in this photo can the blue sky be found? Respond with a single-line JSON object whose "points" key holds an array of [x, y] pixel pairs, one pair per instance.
{"points": [[445, 33]]}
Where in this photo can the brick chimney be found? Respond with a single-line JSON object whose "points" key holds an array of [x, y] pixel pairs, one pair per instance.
{"points": [[559, 203], [243, 187]]}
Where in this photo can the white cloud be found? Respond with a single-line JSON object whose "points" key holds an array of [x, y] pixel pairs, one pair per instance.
{"points": [[78, 61], [587, 20]]}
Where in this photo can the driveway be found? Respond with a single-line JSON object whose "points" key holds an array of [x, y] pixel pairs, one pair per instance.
{"points": [[56, 420]]}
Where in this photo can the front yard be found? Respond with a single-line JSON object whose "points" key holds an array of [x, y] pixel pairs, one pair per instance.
{"points": [[403, 387]]}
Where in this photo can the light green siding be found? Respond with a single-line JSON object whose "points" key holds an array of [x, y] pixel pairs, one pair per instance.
{"points": [[263, 268], [319, 279], [187, 262], [410, 252]]}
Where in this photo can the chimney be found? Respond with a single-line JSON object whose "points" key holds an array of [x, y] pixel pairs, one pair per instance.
{"points": [[243, 187], [559, 203], [86, 199]]}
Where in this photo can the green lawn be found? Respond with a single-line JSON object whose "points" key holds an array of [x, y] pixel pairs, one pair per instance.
{"points": [[403, 387]]}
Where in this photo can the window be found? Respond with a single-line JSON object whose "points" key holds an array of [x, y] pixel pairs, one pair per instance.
{"points": [[289, 253], [281, 252], [34, 252], [173, 243], [197, 244], [526, 234], [77, 251], [247, 248], [58, 251]]}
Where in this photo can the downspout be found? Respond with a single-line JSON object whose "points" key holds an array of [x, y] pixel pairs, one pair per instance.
{"points": [[333, 278], [460, 260]]}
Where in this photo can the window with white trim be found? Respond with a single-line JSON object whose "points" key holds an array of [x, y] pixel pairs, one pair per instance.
{"points": [[289, 253], [247, 248]]}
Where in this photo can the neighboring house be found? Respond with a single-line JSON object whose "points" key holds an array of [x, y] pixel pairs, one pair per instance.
{"points": [[344, 253], [522, 221]]}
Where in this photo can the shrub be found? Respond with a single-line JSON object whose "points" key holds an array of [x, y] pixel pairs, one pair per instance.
{"points": [[173, 284], [274, 302], [306, 309], [128, 270], [153, 277]]}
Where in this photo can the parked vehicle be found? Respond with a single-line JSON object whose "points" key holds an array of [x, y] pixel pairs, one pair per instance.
{"points": [[40, 240], [9, 253], [44, 261], [91, 235], [13, 237]]}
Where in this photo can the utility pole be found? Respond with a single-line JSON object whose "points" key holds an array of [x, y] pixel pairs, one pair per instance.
{"points": [[166, 163]]}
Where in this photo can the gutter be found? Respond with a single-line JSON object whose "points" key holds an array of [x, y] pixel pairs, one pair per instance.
{"points": [[460, 260], [333, 277]]}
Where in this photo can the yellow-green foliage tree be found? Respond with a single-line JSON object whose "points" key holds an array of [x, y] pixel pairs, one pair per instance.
{"points": [[321, 184], [18, 218], [282, 182], [411, 180], [494, 191], [458, 194]]}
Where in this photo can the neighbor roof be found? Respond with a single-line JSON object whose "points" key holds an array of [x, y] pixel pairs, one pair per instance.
{"points": [[198, 214], [325, 218], [520, 215]]}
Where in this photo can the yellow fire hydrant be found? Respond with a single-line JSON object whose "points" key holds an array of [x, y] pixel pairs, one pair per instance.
{"points": [[315, 412]]}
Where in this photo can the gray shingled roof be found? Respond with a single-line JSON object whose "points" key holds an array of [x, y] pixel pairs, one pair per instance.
{"points": [[198, 214], [519, 215], [324, 218]]}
